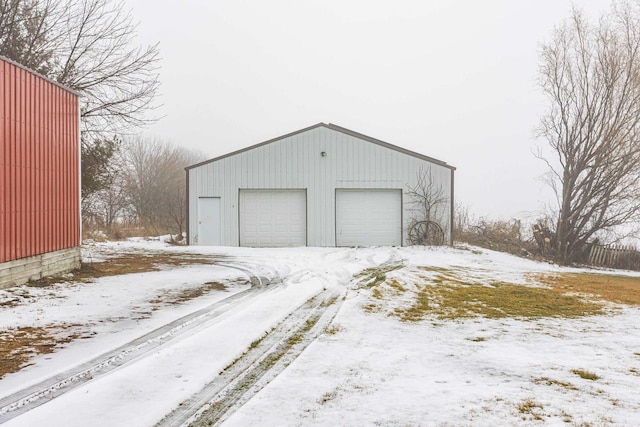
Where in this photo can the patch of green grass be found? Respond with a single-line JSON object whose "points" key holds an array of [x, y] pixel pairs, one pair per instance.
{"points": [[612, 288], [477, 339], [500, 300], [585, 375]]}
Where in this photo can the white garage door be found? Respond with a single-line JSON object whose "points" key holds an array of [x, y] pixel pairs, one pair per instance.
{"points": [[368, 217], [271, 218]]}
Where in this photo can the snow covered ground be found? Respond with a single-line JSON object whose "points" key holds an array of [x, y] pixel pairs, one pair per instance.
{"points": [[369, 368]]}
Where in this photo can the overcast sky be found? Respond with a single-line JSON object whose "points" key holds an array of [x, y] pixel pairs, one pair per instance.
{"points": [[451, 79]]}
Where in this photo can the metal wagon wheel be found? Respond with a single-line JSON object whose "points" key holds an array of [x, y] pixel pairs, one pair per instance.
{"points": [[426, 233]]}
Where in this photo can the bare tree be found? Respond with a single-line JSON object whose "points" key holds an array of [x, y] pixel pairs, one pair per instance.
{"points": [[426, 199], [99, 58], [156, 182], [25, 33], [109, 205], [89, 46], [590, 74]]}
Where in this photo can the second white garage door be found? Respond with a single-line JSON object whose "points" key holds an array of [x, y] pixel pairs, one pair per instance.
{"points": [[273, 218], [368, 217]]}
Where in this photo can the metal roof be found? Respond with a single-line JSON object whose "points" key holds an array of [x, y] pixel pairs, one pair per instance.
{"points": [[337, 129], [60, 85]]}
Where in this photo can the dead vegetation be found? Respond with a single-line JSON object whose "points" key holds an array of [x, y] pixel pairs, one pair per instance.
{"points": [[499, 300], [126, 264], [371, 277], [585, 375], [611, 288], [179, 296], [529, 408], [19, 345], [451, 294], [552, 382], [498, 235]]}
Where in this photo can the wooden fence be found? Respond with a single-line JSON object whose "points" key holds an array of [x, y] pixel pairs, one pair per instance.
{"points": [[609, 255]]}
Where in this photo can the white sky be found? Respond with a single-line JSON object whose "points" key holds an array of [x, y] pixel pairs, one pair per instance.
{"points": [[452, 79]]}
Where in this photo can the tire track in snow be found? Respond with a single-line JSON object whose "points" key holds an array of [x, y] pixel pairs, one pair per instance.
{"points": [[33, 396], [264, 360]]}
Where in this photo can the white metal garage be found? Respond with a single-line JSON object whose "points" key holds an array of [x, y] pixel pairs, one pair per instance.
{"points": [[324, 185], [368, 217], [273, 218]]}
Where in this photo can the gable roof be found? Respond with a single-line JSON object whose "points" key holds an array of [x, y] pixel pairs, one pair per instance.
{"points": [[337, 129]]}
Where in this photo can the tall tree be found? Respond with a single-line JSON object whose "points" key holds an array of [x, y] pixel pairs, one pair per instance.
{"points": [[156, 182], [26, 33], [89, 46], [590, 74]]}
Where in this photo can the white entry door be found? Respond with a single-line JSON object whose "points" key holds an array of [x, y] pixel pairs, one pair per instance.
{"points": [[209, 232], [366, 217], [273, 218]]}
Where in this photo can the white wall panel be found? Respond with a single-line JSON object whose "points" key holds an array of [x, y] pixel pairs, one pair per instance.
{"points": [[295, 162]]}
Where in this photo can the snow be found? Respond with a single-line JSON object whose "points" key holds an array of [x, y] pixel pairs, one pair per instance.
{"points": [[374, 370]]}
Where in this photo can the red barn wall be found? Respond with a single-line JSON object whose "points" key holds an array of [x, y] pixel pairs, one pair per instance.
{"points": [[39, 161]]}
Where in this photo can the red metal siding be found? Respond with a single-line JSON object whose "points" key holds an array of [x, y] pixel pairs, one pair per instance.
{"points": [[39, 182]]}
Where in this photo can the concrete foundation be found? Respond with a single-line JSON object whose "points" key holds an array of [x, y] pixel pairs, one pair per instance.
{"points": [[19, 271]]}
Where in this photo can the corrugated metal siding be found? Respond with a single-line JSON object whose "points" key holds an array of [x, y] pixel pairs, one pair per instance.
{"points": [[296, 162], [39, 182]]}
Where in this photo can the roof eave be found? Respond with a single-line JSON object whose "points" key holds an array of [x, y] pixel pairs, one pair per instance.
{"points": [[337, 129], [53, 82]]}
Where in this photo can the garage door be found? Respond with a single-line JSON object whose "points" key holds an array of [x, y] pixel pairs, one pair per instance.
{"points": [[271, 218], [368, 217]]}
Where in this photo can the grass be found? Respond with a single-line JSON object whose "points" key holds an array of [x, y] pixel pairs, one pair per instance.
{"points": [[300, 333], [531, 407], [611, 288], [372, 277], [212, 415], [19, 345], [461, 293], [333, 329], [585, 375], [176, 297], [552, 382], [501, 300], [126, 264]]}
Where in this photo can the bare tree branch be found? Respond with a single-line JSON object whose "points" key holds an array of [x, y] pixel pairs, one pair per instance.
{"points": [[591, 77]]}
